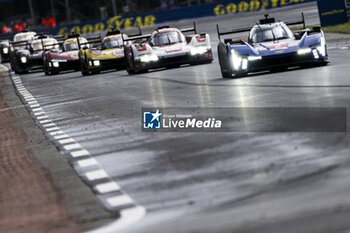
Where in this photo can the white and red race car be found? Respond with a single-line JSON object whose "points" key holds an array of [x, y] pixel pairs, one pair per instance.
{"points": [[167, 47]]}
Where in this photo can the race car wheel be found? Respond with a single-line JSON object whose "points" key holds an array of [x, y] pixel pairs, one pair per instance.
{"points": [[46, 67], [223, 61], [130, 66], [84, 71], [226, 74]]}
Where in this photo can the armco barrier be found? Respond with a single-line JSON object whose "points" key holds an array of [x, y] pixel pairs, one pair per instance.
{"points": [[152, 18]]}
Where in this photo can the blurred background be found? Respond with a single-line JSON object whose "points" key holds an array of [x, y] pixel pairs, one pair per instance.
{"points": [[17, 14]]}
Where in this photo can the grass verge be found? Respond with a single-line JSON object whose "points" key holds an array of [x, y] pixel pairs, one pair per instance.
{"points": [[341, 28]]}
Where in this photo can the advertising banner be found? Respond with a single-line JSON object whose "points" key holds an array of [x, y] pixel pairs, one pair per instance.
{"points": [[332, 12], [152, 18]]}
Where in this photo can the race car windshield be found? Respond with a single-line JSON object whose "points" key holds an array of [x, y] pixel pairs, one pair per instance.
{"points": [[23, 37], [271, 34], [48, 43], [166, 38], [71, 46], [110, 44]]}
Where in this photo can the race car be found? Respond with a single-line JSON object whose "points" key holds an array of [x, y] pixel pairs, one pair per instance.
{"points": [[4, 51], [30, 55], [108, 55], [20, 41], [271, 46], [66, 58], [167, 47]]}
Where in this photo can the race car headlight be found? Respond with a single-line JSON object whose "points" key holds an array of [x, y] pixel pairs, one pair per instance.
{"points": [[23, 59], [304, 51], [254, 58], [149, 57], [55, 64], [244, 64], [5, 50], [198, 50], [315, 53], [236, 60], [96, 63], [322, 48]]}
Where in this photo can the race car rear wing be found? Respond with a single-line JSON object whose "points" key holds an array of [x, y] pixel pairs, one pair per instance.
{"points": [[247, 29], [18, 43], [140, 37], [267, 20], [90, 40], [146, 36], [193, 29], [302, 21]]}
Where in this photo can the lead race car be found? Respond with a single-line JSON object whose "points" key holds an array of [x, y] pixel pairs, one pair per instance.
{"points": [[271, 46], [167, 47]]}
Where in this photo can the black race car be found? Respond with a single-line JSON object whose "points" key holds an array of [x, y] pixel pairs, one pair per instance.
{"points": [[28, 55], [4, 51]]}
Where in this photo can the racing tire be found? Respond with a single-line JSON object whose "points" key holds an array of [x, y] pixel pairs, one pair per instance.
{"points": [[130, 68], [84, 71], [141, 71], [223, 61], [46, 67], [324, 63], [172, 66], [239, 75]]}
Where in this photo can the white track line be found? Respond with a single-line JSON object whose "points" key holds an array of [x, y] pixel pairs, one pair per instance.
{"points": [[107, 187], [119, 200], [87, 162], [79, 153], [49, 125], [127, 217], [61, 136], [96, 175], [56, 133], [72, 146], [114, 197], [66, 141]]}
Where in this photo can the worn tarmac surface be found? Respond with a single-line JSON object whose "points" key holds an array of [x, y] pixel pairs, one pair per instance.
{"points": [[213, 182]]}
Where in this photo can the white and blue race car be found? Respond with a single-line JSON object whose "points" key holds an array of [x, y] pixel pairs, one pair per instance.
{"points": [[271, 46]]}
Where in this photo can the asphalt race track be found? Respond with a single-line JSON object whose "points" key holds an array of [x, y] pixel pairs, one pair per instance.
{"points": [[213, 182]]}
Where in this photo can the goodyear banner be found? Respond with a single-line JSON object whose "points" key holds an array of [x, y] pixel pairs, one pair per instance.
{"points": [[148, 19], [158, 17], [332, 12]]}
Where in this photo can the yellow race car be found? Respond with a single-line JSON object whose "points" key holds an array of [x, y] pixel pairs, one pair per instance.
{"points": [[108, 55]]}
